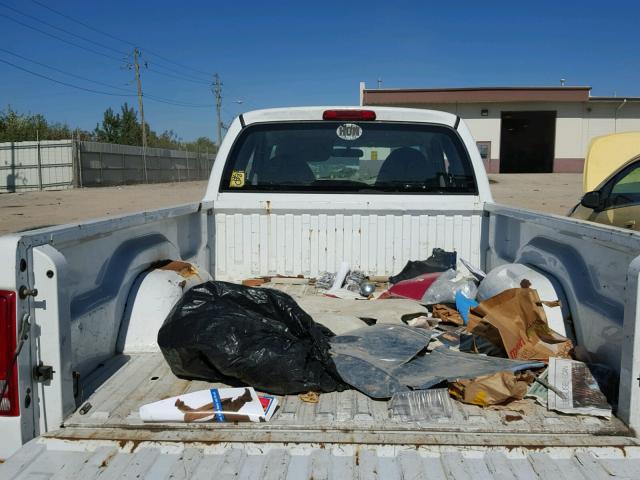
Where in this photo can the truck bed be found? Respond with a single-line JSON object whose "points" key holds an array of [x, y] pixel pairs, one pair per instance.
{"points": [[345, 435], [128, 381], [146, 377]]}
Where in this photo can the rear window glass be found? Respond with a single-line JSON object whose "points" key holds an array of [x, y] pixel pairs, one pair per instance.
{"points": [[349, 157]]}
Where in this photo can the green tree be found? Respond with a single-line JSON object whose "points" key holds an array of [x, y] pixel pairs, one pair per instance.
{"points": [[123, 128], [167, 139], [205, 144], [109, 132], [130, 128], [16, 127]]}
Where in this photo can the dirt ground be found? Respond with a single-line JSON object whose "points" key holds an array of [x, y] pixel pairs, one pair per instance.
{"points": [[553, 193], [545, 192]]}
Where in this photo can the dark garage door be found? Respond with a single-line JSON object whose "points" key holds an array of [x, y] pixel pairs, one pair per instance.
{"points": [[527, 142]]}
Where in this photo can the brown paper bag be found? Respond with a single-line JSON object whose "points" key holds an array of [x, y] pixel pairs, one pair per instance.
{"points": [[494, 389], [515, 319], [447, 314]]}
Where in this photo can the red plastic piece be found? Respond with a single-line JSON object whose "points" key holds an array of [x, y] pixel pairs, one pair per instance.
{"points": [[413, 288]]}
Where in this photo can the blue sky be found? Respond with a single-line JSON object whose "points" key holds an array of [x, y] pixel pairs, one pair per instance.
{"points": [[303, 53]]}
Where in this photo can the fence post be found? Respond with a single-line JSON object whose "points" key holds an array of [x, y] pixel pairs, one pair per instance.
{"points": [[79, 158], [100, 160], [39, 167], [144, 161], [75, 175]]}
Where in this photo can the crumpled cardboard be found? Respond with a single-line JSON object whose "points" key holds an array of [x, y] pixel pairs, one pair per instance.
{"points": [[495, 389], [516, 320], [447, 314]]}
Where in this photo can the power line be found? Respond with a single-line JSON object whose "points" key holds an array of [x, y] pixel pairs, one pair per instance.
{"points": [[65, 73], [86, 25], [136, 66], [178, 103], [176, 63], [241, 99], [60, 38], [186, 76], [90, 90], [65, 83], [177, 77], [61, 29], [181, 74], [75, 20]]}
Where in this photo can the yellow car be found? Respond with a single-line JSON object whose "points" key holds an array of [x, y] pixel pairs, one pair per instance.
{"points": [[611, 181]]}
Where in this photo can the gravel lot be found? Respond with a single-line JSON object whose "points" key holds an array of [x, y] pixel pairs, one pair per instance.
{"points": [[553, 193], [545, 192]]}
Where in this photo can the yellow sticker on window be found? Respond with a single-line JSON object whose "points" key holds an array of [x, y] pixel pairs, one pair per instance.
{"points": [[374, 154], [237, 179]]}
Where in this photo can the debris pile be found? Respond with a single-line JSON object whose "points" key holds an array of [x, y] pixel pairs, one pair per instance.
{"points": [[439, 331]]}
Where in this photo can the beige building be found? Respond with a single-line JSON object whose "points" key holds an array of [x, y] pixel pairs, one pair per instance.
{"points": [[523, 130]]}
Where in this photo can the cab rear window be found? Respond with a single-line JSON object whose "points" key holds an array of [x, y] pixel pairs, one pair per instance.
{"points": [[349, 157]]}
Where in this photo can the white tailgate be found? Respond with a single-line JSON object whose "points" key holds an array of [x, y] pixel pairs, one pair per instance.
{"points": [[292, 234], [44, 458]]}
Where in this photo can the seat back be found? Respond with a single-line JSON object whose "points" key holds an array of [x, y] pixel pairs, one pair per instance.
{"points": [[406, 164]]}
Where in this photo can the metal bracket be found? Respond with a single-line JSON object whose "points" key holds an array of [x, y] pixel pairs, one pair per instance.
{"points": [[25, 292], [43, 373]]}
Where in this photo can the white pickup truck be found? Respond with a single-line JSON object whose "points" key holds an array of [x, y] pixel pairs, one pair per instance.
{"points": [[297, 191]]}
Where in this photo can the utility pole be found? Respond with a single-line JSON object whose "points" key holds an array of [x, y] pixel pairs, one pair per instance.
{"points": [[217, 92], [136, 65]]}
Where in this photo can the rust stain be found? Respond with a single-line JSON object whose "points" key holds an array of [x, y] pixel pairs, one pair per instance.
{"points": [[254, 282], [512, 418], [107, 459], [267, 207], [183, 269], [131, 444]]}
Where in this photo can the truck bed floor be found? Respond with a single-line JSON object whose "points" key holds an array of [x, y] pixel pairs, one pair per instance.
{"points": [[339, 416]]}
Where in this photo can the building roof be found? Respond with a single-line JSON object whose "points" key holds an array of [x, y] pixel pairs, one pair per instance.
{"points": [[413, 96], [614, 99]]}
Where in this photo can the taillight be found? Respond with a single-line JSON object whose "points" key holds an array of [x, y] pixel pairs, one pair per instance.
{"points": [[349, 115], [9, 406]]}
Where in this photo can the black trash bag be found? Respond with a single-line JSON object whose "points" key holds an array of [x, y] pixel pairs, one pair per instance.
{"points": [[223, 332], [439, 261], [476, 344]]}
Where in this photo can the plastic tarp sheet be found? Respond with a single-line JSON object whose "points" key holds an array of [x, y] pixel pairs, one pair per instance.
{"points": [[385, 359], [444, 364], [439, 261]]}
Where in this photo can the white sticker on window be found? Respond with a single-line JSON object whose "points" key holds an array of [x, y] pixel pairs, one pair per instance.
{"points": [[349, 131]]}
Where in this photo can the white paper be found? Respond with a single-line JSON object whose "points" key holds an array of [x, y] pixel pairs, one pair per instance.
{"points": [[342, 273], [476, 272], [213, 405], [580, 389]]}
